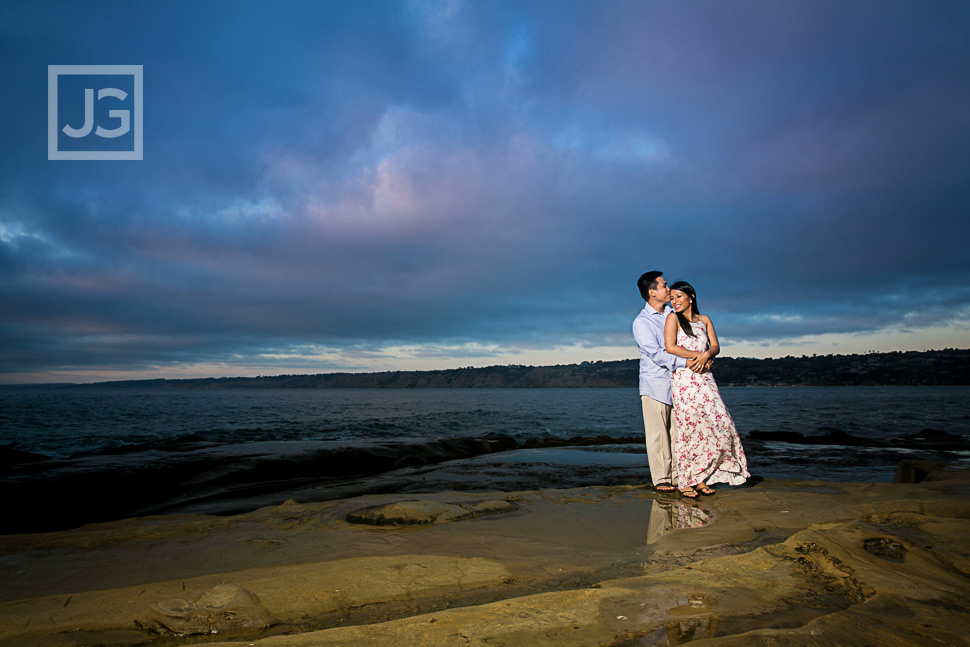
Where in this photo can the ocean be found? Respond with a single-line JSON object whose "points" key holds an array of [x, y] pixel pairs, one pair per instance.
{"points": [[83, 454]]}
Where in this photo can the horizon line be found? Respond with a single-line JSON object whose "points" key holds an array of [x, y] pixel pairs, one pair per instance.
{"points": [[459, 368]]}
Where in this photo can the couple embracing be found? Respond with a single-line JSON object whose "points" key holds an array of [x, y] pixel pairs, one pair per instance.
{"points": [[690, 436]]}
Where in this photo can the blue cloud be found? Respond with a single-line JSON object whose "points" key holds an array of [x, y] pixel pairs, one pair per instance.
{"points": [[363, 175]]}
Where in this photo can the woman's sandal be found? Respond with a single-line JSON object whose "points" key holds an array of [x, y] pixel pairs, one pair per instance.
{"points": [[689, 493], [706, 491]]}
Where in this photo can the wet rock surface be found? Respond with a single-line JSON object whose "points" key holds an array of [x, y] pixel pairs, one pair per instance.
{"points": [[191, 474], [421, 512], [918, 471], [886, 547], [223, 609], [934, 439], [782, 563], [189, 471]]}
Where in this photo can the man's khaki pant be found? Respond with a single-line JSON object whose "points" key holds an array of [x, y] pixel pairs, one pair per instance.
{"points": [[660, 428]]}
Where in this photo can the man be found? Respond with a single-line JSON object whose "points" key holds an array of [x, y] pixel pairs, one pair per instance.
{"points": [[656, 365]]}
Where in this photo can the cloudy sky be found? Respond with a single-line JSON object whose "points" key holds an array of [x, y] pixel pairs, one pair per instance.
{"points": [[359, 186]]}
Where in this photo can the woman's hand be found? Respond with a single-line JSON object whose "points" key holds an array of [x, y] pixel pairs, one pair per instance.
{"points": [[700, 363]]}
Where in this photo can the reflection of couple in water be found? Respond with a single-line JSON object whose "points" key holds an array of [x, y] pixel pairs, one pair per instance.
{"points": [[698, 445], [666, 514]]}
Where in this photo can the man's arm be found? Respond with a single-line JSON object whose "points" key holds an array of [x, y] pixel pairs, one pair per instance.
{"points": [[652, 346]]}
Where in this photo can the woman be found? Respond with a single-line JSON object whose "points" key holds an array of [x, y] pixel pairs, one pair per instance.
{"points": [[707, 448]]}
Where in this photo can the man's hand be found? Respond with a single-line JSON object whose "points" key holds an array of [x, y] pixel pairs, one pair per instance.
{"points": [[700, 363], [696, 364]]}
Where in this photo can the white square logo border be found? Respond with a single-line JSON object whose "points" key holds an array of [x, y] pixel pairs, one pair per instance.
{"points": [[53, 72]]}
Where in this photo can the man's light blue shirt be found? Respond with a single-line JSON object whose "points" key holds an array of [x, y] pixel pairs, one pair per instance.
{"points": [[656, 364]]}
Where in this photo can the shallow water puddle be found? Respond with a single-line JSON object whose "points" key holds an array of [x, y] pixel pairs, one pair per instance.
{"points": [[698, 617], [667, 515]]}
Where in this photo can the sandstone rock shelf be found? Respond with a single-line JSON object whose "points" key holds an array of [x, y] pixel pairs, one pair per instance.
{"points": [[779, 563]]}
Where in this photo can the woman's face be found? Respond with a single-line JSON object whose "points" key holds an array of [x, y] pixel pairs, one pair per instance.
{"points": [[679, 301]]}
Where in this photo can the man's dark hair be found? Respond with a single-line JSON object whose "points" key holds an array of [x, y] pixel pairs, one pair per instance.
{"points": [[647, 282]]}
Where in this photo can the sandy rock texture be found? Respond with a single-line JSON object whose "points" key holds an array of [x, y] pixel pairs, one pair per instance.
{"points": [[779, 563], [419, 512]]}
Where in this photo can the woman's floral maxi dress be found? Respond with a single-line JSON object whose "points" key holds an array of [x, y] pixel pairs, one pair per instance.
{"points": [[707, 448]]}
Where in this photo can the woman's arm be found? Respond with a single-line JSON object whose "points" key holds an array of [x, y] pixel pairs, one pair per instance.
{"points": [[670, 338], [713, 347]]}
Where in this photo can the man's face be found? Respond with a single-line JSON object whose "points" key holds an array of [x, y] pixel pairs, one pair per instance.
{"points": [[662, 292]]}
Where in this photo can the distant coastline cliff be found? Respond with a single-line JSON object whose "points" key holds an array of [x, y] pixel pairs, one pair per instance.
{"points": [[910, 368]]}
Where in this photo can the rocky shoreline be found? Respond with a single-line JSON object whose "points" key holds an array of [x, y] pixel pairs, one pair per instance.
{"points": [[779, 563], [191, 474]]}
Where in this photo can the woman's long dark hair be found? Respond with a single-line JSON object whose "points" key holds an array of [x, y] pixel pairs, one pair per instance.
{"points": [[688, 289]]}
